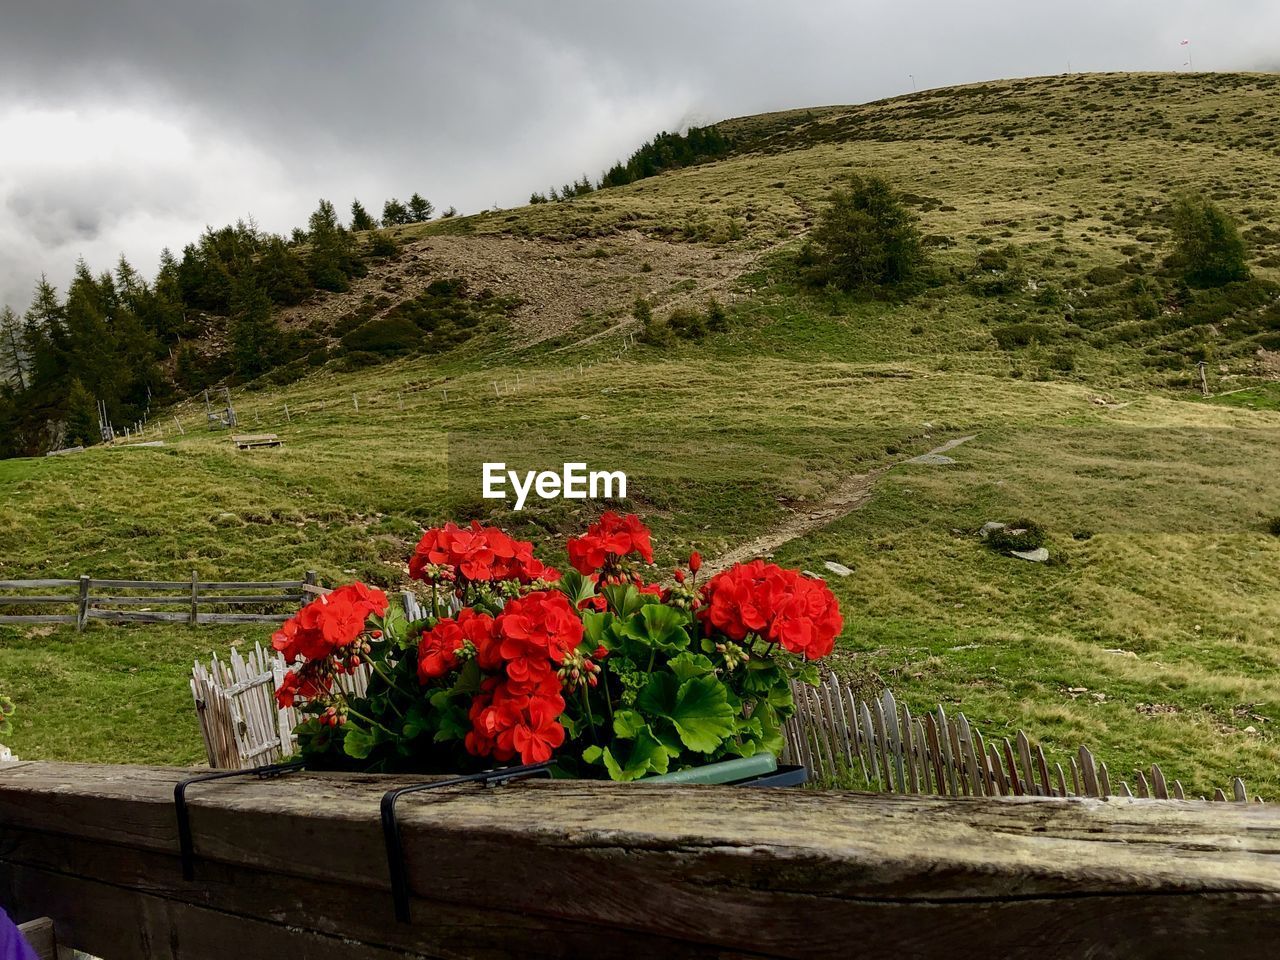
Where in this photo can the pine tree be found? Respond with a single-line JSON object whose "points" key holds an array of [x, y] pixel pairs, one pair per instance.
{"points": [[80, 416], [166, 315], [333, 258], [282, 273], [256, 339], [394, 213], [13, 358], [420, 208], [1209, 245], [360, 219], [45, 338]]}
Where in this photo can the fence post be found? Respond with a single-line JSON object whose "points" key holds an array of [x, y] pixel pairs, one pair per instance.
{"points": [[312, 580], [82, 611], [195, 598]]}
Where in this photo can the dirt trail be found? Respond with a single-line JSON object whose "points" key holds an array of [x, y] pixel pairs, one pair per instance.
{"points": [[558, 283], [848, 497]]}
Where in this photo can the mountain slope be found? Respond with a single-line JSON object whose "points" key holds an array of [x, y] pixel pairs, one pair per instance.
{"points": [[1150, 636]]}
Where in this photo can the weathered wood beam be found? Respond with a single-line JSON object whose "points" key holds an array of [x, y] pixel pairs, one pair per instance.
{"points": [[590, 869]]}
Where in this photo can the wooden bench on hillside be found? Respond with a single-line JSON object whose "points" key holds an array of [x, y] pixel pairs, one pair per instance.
{"points": [[252, 441]]}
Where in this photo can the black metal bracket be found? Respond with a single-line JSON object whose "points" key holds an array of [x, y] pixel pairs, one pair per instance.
{"points": [[391, 828], [186, 846]]}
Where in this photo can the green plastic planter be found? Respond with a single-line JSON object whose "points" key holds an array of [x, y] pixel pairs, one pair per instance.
{"points": [[725, 771]]}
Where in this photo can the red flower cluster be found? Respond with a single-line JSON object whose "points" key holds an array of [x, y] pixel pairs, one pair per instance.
{"points": [[782, 606], [519, 706], [320, 637], [331, 622], [438, 647], [532, 632], [608, 541], [510, 718], [479, 554]]}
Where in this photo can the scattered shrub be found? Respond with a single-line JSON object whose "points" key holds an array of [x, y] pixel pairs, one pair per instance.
{"points": [[865, 238], [1014, 335], [1208, 244], [1021, 536], [1273, 526]]}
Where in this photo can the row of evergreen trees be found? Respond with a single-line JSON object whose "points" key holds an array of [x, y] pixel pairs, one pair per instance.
{"points": [[210, 311], [666, 151]]}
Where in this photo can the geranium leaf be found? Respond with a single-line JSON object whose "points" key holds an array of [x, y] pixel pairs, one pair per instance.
{"points": [[647, 755], [658, 625], [699, 708], [703, 716], [623, 598], [357, 743], [658, 698], [576, 586], [627, 723], [596, 629], [689, 665], [592, 755]]}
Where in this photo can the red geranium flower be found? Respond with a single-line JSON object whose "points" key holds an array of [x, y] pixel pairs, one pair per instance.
{"points": [[479, 554], [506, 721], [542, 625], [329, 623], [297, 684], [779, 605], [608, 541]]}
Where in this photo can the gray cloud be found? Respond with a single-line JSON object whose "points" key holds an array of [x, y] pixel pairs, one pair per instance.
{"points": [[128, 126]]}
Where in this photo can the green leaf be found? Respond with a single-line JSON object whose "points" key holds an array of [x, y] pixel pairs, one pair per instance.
{"points": [[416, 722], [658, 625], [689, 665], [592, 755], [808, 674], [623, 598], [597, 629], [358, 743], [627, 723], [699, 708], [576, 586], [647, 755]]}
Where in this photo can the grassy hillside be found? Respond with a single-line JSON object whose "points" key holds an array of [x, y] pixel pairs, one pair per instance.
{"points": [[1151, 634]]}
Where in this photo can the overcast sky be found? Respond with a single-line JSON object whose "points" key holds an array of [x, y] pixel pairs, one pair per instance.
{"points": [[127, 126]]}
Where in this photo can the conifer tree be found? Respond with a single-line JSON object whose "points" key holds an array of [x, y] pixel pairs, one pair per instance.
{"points": [[420, 208], [256, 339], [360, 219], [13, 358], [80, 417], [333, 258], [394, 213]]}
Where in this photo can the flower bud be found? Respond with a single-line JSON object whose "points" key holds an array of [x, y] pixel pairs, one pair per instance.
{"points": [[377, 634], [695, 561], [679, 575], [593, 680]]}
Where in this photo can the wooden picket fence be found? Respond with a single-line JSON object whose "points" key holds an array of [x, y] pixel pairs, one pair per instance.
{"points": [[240, 723], [132, 601], [879, 744]]}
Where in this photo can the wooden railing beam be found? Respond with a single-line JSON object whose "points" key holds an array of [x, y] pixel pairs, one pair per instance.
{"points": [[595, 869]]}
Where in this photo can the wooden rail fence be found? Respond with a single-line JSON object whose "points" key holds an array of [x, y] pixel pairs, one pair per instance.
{"points": [[131, 601], [296, 867]]}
